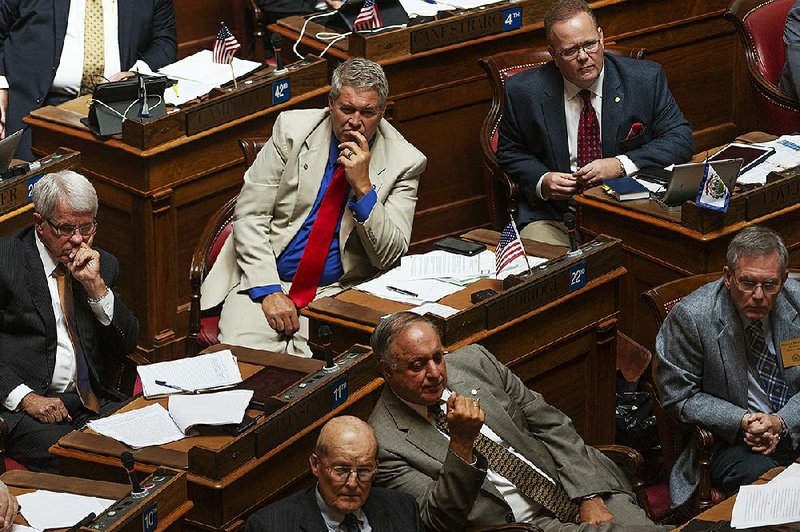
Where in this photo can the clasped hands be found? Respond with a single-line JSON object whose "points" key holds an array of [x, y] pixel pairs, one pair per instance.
{"points": [[762, 432], [562, 186], [465, 417]]}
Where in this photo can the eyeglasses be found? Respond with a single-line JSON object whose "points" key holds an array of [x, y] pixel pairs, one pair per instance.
{"points": [[749, 285], [65, 230], [342, 473], [589, 47]]}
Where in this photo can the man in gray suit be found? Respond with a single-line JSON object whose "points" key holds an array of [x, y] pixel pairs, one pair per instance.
{"points": [[728, 360], [343, 499], [262, 267], [583, 117], [790, 79], [474, 463]]}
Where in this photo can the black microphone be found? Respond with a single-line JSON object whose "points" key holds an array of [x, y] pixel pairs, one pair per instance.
{"points": [[276, 42], [324, 334], [569, 222], [128, 462]]}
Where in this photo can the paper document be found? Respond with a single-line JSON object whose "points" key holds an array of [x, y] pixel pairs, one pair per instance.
{"points": [[789, 476], [787, 155], [203, 372], [23, 528], [434, 308], [649, 185], [221, 408], [49, 509], [439, 264], [139, 428], [423, 8], [205, 74], [766, 505], [387, 286]]}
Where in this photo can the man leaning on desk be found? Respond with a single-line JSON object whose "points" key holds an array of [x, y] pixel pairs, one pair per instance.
{"points": [[329, 201], [585, 116], [53, 51], [61, 324]]}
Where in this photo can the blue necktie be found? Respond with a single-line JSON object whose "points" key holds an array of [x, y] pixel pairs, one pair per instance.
{"points": [[769, 371]]}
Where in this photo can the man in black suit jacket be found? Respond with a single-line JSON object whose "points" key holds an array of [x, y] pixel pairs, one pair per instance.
{"points": [[343, 499], [640, 124], [61, 324], [33, 53]]}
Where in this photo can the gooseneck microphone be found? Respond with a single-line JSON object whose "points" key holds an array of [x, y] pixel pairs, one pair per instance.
{"points": [[324, 334], [569, 222], [276, 42], [128, 463]]}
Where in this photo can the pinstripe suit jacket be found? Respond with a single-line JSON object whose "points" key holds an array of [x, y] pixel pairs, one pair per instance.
{"points": [[452, 494], [28, 327], [386, 510], [702, 369]]}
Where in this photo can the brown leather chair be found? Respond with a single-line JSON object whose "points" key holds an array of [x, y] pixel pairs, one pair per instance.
{"points": [[204, 326], [674, 435], [501, 190], [760, 26], [250, 27]]}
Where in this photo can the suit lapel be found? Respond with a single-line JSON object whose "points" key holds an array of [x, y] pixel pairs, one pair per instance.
{"points": [[311, 163], [555, 120], [733, 358], [60, 17], [786, 326], [376, 513], [310, 516], [613, 99], [36, 283]]}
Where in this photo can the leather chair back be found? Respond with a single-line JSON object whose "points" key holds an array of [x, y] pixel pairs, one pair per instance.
{"points": [[501, 190], [760, 24]]}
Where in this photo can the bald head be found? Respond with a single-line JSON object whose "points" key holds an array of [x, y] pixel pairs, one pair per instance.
{"points": [[344, 430]]}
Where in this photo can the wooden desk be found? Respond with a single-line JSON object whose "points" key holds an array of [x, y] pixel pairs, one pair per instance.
{"points": [[155, 201], [440, 96], [231, 476], [561, 343], [166, 500], [660, 246]]}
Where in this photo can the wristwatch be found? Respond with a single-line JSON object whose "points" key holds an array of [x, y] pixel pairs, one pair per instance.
{"points": [[622, 172], [590, 497]]}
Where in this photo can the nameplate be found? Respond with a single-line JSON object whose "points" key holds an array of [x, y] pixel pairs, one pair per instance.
{"points": [[515, 303], [459, 30], [775, 195], [226, 108]]}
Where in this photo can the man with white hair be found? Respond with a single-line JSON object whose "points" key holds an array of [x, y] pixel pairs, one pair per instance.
{"points": [[61, 324]]}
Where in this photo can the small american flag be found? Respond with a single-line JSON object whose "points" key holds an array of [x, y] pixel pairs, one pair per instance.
{"points": [[225, 45], [509, 248], [369, 17]]}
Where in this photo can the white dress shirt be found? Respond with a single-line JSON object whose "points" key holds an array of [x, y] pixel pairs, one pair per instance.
{"points": [[70, 67], [64, 372], [573, 104]]}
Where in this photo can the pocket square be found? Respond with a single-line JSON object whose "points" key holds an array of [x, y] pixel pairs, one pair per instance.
{"points": [[637, 128]]}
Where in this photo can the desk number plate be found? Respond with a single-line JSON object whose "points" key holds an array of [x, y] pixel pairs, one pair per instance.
{"points": [[32, 181], [340, 392], [577, 276], [280, 91], [150, 518], [512, 19]]}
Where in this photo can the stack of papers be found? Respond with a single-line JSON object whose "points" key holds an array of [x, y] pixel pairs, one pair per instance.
{"points": [[45, 509], [154, 425], [787, 155], [774, 503], [198, 74], [193, 374]]}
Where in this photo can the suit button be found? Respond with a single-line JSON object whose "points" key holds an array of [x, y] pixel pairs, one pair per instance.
{"points": [[509, 517], [38, 100], [44, 385]]}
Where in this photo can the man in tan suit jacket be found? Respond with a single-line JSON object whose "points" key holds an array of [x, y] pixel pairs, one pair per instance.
{"points": [[281, 197]]}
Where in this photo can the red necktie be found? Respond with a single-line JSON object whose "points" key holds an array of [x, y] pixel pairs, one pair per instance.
{"points": [[588, 132], [309, 271]]}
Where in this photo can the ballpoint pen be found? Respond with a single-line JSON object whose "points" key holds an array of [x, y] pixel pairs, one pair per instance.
{"points": [[168, 385]]}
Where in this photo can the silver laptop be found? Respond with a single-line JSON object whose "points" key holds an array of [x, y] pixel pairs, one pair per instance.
{"points": [[7, 148], [685, 180]]}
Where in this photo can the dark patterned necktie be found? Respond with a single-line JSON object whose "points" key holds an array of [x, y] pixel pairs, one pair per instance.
{"points": [[588, 132], [524, 477], [351, 524], [767, 367]]}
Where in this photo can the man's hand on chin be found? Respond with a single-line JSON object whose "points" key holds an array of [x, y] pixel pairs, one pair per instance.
{"points": [[595, 512]]}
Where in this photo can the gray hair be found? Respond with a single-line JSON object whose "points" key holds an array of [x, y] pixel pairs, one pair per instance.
{"points": [[756, 241], [387, 331], [66, 186], [562, 10], [360, 73]]}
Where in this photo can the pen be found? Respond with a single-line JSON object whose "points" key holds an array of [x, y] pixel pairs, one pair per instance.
{"points": [[168, 385], [401, 291], [83, 522]]}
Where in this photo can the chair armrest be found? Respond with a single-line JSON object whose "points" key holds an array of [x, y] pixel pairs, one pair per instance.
{"points": [[631, 462], [705, 442]]}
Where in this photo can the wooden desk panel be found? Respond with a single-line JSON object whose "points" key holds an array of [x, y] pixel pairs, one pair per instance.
{"points": [[440, 97]]}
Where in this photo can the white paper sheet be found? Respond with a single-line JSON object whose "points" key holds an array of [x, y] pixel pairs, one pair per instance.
{"points": [[203, 372], [789, 476], [151, 425], [23, 528], [787, 155], [418, 292], [423, 8], [221, 408], [439, 264], [48, 509], [434, 308], [766, 504]]}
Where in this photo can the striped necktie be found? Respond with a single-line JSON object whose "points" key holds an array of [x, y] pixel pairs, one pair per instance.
{"points": [[767, 367]]}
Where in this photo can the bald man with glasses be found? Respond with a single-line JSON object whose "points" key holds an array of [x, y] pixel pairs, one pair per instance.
{"points": [[61, 324], [728, 361], [343, 499]]}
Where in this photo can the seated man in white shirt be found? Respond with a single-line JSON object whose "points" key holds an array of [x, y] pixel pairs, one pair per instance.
{"points": [[61, 324]]}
